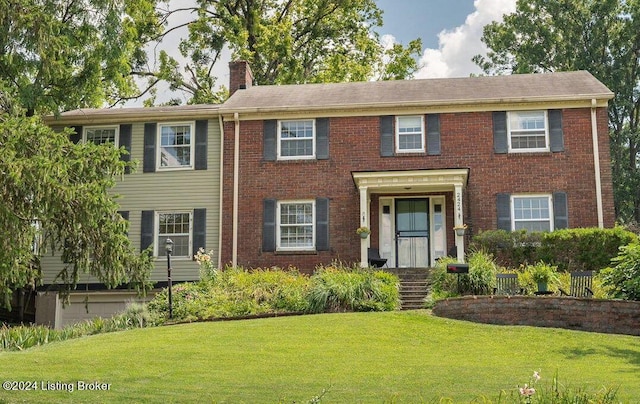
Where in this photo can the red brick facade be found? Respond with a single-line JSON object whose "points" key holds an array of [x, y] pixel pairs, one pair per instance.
{"points": [[354, 145]]}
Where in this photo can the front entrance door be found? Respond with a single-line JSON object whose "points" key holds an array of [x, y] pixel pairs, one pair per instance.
{"points": [[412, 233]]}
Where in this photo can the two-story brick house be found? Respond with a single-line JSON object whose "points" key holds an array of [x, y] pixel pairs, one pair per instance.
{"points": [[305, 165], [284, 175]]}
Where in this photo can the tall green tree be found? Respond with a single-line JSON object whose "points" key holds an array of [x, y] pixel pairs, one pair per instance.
{"points": [[286, 42], [601, 36], [57, 55]]}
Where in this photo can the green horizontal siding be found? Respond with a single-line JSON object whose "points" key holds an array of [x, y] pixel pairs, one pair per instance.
{"points": [[164, 190]]}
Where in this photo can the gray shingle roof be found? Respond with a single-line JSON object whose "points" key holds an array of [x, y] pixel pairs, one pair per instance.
{"points": [[580, 85]]}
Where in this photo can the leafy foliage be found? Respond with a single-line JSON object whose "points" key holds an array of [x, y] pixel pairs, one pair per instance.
{"points": [[23, 337], [623, 279], [61, 55], [600, 36], [236, 292], [286, 42], [568, 249], [480, 279], [335, 289], [54, 197]]}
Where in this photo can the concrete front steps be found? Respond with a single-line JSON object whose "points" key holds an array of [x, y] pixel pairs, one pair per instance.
{"points": [[414, 286]]}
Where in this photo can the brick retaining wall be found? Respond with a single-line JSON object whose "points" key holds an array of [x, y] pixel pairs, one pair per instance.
{"points": [[606, 316]]}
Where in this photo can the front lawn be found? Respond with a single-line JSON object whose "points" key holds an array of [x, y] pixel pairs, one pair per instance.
{"points": [[358, 357]]}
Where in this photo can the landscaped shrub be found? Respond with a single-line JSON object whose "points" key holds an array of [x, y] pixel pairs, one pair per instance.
{"points": [[622, 281], [481, 278], [508, 249], [23, 337], [235, 292], [339, 288], [568, 249]]}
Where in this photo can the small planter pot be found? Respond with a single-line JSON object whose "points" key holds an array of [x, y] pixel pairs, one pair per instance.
{"points": [[543, 287], [364, 235]]}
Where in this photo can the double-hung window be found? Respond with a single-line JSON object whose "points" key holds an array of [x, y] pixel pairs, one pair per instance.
{"points": [[296, 139], [528, 131], [178, 227], [409, 134], [176, 146], [101, 135], [295, 226], [532, 212]]}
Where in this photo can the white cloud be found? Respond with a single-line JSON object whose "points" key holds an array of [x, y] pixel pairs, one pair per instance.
{"points": [[458, 46]]}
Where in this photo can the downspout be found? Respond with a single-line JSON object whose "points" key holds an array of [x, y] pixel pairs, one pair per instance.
{"points": [[596, 163], [236, 186], [220, 210]]}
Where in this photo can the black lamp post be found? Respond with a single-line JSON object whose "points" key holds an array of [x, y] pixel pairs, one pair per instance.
{"points": [[168, 246]]}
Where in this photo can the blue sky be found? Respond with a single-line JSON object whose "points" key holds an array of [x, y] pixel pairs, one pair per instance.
{"points": [[450, 30]]}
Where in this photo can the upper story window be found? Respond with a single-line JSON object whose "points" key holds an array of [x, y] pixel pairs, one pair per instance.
{"points": [[295, 229], [101, 135], [176, 145], [177, 227], [409, 134], [528, 131], [532, 213], [296, 139]]}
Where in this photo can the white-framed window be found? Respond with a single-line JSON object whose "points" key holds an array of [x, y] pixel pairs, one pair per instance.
{"points": [[176, 145], [101, 135], [532, 212], [296, 225], [178, 226], [409, 134], [528, 131], [296, 139]]}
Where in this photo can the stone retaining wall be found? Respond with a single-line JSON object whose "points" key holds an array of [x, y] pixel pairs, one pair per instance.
{"points": [[606, 316]]}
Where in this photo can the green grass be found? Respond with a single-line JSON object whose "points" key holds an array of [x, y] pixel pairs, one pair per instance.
{"points": [[359, 357]]}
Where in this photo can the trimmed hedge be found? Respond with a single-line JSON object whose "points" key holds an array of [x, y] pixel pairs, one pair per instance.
{"points": [[568, 249]]}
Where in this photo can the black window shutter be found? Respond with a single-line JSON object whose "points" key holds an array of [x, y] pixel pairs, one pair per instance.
{"points": [[269, 140], [199, 230], [500, 141], [202, 128], [125, 141], [322, 138], [76, 137], [503, 207], [146, 229], [556, 137], [560, 211], [149, 163], [322, 224], [433, 134], [269, 225], [386, 136]]}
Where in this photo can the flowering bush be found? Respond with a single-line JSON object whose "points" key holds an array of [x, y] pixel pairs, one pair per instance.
{"points": [[208, 271]]}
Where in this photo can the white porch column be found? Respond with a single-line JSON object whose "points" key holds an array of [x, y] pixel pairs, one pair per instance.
{"points": [[364, 221], [458, 221]]}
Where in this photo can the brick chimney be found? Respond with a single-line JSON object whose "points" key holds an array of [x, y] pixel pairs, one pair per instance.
{"points": [[240, 76]]}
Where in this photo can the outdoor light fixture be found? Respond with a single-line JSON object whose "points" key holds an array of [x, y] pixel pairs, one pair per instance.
{"points": [[168, 246]]}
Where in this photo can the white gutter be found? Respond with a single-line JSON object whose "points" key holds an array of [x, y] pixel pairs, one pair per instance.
{"points": [[236, 187], [221, 177], [596, 162]]}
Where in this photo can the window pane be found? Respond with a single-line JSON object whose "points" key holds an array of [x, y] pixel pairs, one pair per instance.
{"points": [[175, 146], [532, 213], [527, 130], [409, 133], [296, 225], [101, 135], [296, 138], [175, 226]]}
